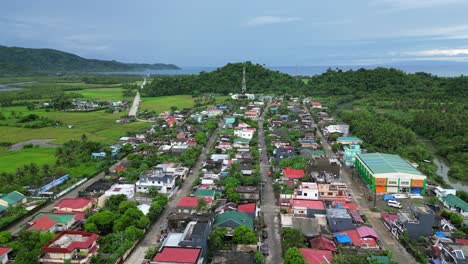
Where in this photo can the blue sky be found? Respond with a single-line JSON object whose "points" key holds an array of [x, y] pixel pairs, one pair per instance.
{"points": [[214, 32]]}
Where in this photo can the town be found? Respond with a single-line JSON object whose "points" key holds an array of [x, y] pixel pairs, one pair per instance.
{"points": [[255, 179]]}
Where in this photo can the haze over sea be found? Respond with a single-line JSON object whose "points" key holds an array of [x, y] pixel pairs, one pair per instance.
{"points": [[449, 69]]}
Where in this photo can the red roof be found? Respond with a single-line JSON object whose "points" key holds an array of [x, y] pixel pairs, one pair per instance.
{"points": [[309, 204], [120, 169], [178, 255], [461, 241], [314, 256], [170, 120], [349, 206], [322, 243], [367, 232], [73, 203], [247, 208], [293, 174], [192, 202], [316, 104], [42, 223], [356, 238], [52, 248], [4, 250]]}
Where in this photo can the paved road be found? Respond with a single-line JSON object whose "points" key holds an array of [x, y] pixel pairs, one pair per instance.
{"points": [[356, 189], [136, 103], [15, 229], [154, 232], [268, 203]]}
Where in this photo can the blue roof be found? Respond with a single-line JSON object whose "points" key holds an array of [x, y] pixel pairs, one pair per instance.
{"points": [[440, 234], [349, 138], [342, 238]]}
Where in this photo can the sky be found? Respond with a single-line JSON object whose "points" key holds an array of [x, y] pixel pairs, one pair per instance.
{"points": [[215, 32]]}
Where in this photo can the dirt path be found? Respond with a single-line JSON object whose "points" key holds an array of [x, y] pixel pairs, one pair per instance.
{"points": [[36, 142]]}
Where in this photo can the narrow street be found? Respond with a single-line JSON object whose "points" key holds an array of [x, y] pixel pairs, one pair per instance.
{"points": [[268, 202], [356, 189], [18, 226], [154, 232]]}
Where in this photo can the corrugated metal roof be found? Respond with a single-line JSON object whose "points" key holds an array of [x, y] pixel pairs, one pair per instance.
{"points": [[387, 163]]}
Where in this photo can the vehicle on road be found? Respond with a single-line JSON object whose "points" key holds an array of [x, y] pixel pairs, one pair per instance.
{"points": [[265, 249], [393, 203], [269, 173], [265, 234]]}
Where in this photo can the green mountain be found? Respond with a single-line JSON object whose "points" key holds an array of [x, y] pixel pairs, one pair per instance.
{"points": [[14, 60], [224, 80]]}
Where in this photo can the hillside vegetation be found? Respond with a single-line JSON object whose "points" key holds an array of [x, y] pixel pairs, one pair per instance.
{"points": [[15, 60]]}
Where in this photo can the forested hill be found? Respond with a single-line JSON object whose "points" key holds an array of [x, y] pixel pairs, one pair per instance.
{"points": [[14, 60], [225, 80]]}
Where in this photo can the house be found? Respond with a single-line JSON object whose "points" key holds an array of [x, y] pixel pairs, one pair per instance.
{"points": [[4, 254], [171, 121], [349, 154], [241, 143], [441, 192], [197, 118], [52, 222], [454, 203], [224, 145], [164, 182], [98, 155], [248, 193], [246, 168], [179, 149], [13, 199], [323, 243], [342, 130], [189, 204], [248, 208], [232, 257], [196, 236], [293, 174], [315, 256], [283, 153], [233, 219], [125, 189], [230, 121], [312, 153], [252, 114], [316, 105], [72, 246], [99, 187], [307, 191], [207, 193], [339, 219], [333, 191], [74, 205], [349, 140], [418, 221], [245, 132], [353, 238], [179, 255], [213, 112], [387, 173], [309, 208], [308, 143]]}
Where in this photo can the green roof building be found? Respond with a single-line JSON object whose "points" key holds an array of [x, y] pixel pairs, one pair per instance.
{"points": [[387, 173], [312, 153], [454, 203], [13, 199], [3, 208], [233, 219], [379, 259], [206, 193]]}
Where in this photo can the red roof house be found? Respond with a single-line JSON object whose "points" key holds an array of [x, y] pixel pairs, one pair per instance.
{"points": [[74, 205], [4, 253], [290, 173], [358, 241], [316, 104], [68, 244], [349, 206], [314, 256], [367, 232], [177, 255], [189, 204], [323, 243], [170, 121], [42, 224], [249, 208], [119, 169]]}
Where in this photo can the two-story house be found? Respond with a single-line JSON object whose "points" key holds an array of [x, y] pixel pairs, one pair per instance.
{"points": [[71, 246], [164, 182]]}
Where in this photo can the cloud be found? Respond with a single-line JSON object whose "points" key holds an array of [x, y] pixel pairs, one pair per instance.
{"points": [[446, 32], [268, 20], [414, 4], [439, 52]]}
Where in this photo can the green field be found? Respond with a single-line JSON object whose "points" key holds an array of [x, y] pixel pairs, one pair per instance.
{"points": [[163, 103], [10, 160], [107, 94]]}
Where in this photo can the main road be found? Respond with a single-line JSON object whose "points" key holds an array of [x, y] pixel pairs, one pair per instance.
{"points": [[268, 202], [356, 189], [154, 232], [18, 226]]}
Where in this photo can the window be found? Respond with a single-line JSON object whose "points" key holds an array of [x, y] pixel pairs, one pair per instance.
{"points": [[315, 194], [392, 182], [305, 194], [153, 182], [404, 183], [329, 193]]}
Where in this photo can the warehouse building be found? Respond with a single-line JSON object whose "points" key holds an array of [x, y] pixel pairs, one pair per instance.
{"points": [[386, 173]]}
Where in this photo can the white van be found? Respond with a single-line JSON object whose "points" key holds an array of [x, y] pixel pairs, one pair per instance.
{"points": [[393, 203]]}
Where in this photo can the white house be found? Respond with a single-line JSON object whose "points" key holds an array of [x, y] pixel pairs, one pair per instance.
{"points": [[307, 191], [164, 182], [126, 189], [441, 192], [244, 132]]}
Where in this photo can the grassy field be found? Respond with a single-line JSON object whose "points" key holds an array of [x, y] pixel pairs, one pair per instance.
{"points": [[10, 160], [108, 94], [163, 103]]}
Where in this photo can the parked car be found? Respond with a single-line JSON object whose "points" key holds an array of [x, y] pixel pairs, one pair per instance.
{"points": [[265, 234], [265, 249], [393, 203]]}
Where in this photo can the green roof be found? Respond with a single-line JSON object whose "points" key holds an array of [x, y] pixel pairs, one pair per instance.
{"points": [[314, 152], [206, 193], [239, 217], [2, 208], [58, 218], [13, 197], [349, 138], [387, 163], [455, 201], [379, 259], [242, 140]]}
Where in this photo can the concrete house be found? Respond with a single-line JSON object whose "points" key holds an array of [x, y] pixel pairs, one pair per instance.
{"points": [[307, 191], [12, 199], [418, 221], [308, 208], [248, 193], [339, 219], [4, 254], [74, 246], [162, 181]]}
